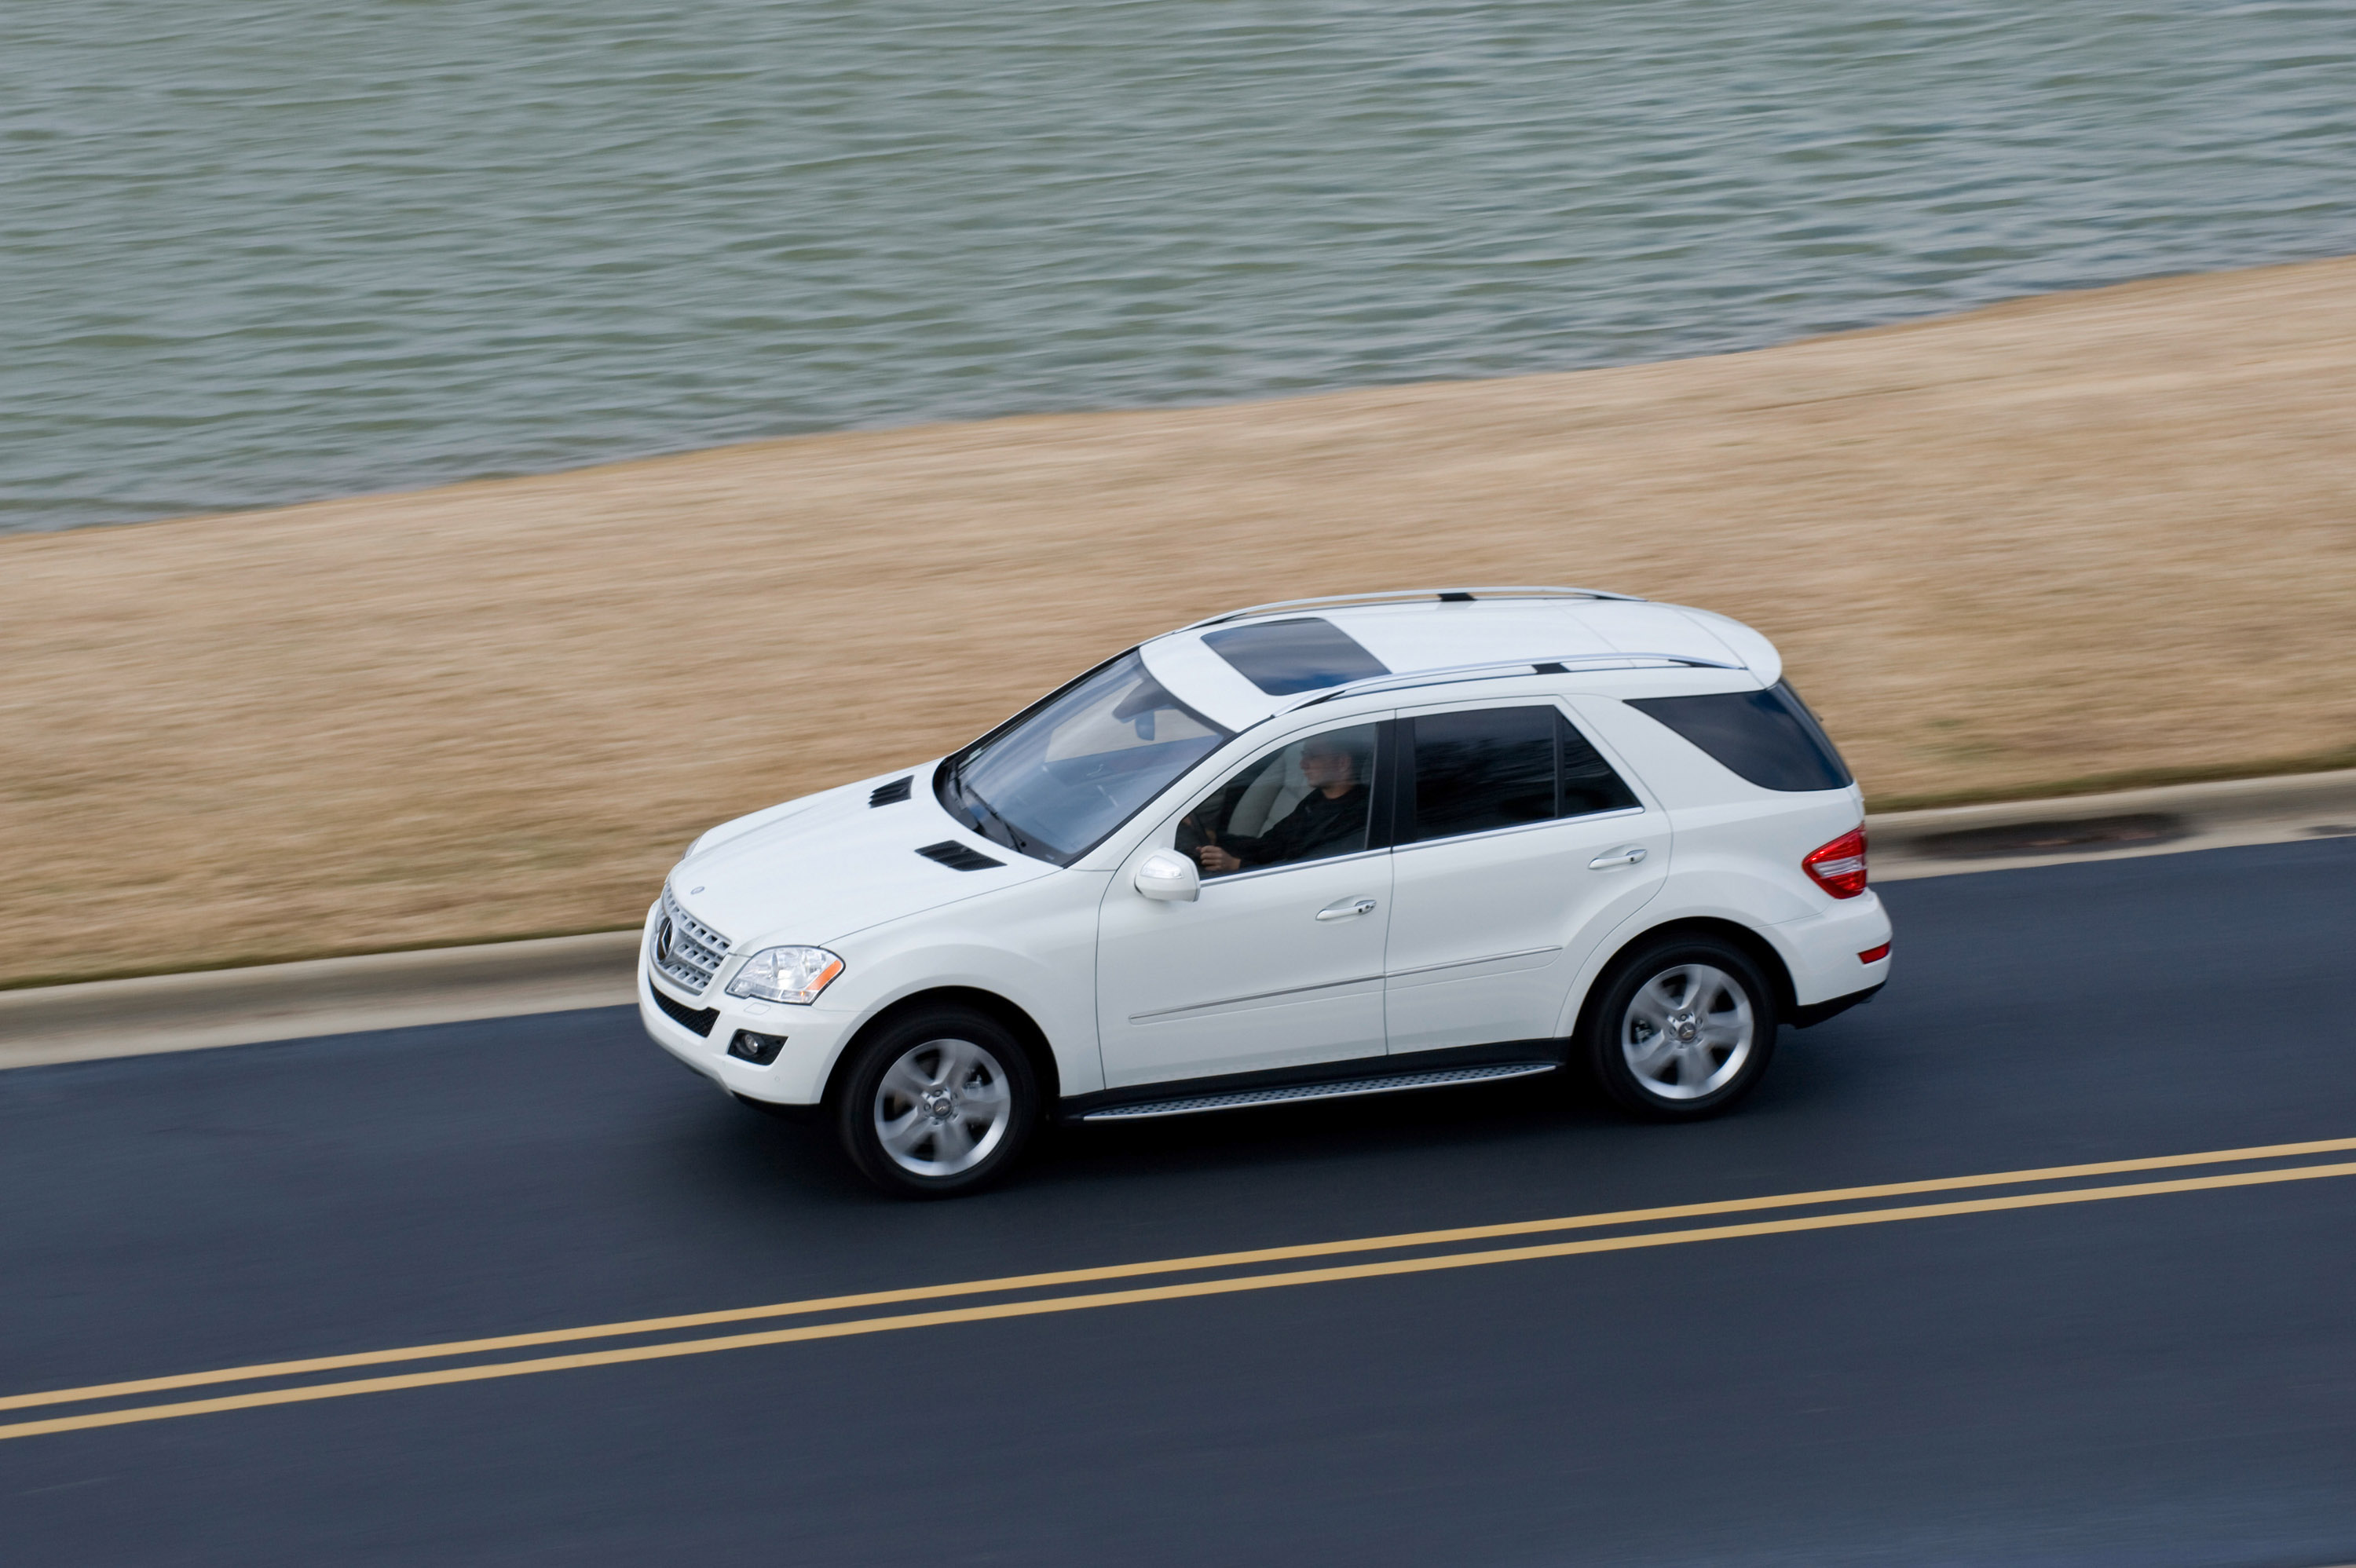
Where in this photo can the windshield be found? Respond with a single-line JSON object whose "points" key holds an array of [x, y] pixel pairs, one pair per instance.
{"points": [[1056, 780]]}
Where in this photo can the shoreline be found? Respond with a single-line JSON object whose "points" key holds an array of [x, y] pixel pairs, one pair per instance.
{"points": [[426, 484], [2053, 546]]}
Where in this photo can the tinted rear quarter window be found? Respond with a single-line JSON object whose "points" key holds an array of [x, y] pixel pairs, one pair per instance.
{"points": [[1768, 737], [1589, 784]]}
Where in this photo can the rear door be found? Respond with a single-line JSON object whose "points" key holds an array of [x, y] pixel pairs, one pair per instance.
{"points": [[1519, 847]]}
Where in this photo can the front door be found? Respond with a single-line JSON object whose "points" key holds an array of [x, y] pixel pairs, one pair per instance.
{"points": [[1519, 849], [1279, 961]]}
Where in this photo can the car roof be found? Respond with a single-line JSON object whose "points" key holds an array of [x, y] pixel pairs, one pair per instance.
{"points": [[1430, 636]]}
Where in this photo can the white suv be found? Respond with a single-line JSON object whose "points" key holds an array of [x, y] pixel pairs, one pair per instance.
{"points": [[1307, 850]]}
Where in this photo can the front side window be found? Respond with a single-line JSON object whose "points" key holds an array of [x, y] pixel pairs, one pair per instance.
{"points": [[1307, 801], [1060, 777], [1503, 767], [1767, 737]]}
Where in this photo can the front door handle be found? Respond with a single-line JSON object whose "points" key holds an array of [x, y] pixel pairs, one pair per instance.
{"points": [[1346, 909], [1626, 854]]}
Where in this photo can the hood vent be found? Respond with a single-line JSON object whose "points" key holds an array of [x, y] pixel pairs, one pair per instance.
{"points": [[891, 793], [958, 858]]}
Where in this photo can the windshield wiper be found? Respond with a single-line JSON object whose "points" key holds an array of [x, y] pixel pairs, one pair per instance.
{"points": [[983, 813]]}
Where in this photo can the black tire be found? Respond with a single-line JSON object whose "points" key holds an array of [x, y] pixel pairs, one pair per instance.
{"points": [[937, 1103], [1681, 1028]]}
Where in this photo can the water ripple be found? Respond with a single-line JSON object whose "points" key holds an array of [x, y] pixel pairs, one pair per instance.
{"points": [[264, 250]]}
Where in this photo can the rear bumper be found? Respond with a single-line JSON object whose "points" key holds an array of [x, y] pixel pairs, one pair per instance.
{"points": [[1808, 1015], [1823, 952]]}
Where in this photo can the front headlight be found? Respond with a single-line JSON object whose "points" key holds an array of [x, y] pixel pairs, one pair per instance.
{"points": [[787, 975]]}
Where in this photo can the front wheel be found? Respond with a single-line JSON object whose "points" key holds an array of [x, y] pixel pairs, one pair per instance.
{"points": [[936, 1103], [1682, 1028]]}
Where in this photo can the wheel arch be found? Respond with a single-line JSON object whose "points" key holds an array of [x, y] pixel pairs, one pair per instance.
{"points": [[1761, 951], [990, 1004]]}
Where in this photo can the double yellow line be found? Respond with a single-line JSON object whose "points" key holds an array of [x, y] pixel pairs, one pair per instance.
{"points": [[1225, 1283]]}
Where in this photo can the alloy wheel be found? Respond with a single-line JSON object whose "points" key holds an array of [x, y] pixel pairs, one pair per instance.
{"points": [[1688, 1031], [942, 1107]]}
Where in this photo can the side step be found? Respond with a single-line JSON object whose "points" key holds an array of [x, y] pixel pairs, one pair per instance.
{"points": [[1347, 1088]]}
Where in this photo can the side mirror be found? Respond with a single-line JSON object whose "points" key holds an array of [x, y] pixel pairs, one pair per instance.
{"points": [[1169, 876]]}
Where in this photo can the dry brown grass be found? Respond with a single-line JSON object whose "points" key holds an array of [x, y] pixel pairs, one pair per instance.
{"points": [[2096, 534]]}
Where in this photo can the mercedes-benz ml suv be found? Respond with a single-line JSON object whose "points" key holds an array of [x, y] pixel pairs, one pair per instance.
{"points": [[1312, 849]]}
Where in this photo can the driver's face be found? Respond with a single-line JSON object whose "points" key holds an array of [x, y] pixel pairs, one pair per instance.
{"points": [[1325, 766]]}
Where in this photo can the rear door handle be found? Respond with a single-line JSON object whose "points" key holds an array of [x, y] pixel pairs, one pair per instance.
{"points": [[1626, 854], [1346, 908]]}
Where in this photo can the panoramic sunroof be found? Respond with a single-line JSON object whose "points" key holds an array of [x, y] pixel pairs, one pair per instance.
{"points": [[1281, 657]]}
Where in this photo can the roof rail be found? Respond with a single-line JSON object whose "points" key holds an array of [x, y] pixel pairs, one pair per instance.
{"points": [[1442, 593], [1502, 669]]}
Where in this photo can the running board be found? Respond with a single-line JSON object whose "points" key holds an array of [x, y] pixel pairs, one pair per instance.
{"points": [[1347, 1088]]}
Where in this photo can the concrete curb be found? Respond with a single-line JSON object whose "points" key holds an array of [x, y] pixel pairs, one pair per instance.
{"points": [[2119, 826], [322, 995], [452, 984]]}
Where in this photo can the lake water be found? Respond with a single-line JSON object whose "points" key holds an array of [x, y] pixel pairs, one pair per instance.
{"points": [[255, 250]]}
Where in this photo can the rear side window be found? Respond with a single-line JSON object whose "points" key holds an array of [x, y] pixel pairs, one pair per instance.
{"points": [[1501, 767], [1767, 737]]}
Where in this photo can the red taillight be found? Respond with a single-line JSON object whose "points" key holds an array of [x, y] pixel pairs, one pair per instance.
{"points": [[1874, 955], [1840, 867]]}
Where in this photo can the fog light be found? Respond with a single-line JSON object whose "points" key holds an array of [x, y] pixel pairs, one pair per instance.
{"points": [[760, 1049]]}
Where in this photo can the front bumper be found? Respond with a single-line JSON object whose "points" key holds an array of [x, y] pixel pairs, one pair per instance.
{"points": [[814, 1036]]}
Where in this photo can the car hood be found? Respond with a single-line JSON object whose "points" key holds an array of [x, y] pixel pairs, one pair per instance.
{"points": [[817, 869]]}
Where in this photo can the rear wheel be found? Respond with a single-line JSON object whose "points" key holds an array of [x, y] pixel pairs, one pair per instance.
{"points": [[937, 1103], [1682, 1028]]}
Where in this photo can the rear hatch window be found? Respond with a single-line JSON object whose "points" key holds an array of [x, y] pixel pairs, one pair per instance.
{"points": [[1767, 737]]}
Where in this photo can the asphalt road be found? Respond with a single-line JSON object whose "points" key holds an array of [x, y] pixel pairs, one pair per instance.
{"points": [[2158, 1380]]}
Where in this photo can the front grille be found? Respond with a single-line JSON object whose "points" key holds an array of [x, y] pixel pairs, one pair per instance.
{"points": [[700, 1019], [687, 951]]}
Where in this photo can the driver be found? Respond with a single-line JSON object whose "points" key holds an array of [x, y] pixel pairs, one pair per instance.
{"points": [[1331, 818]]}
